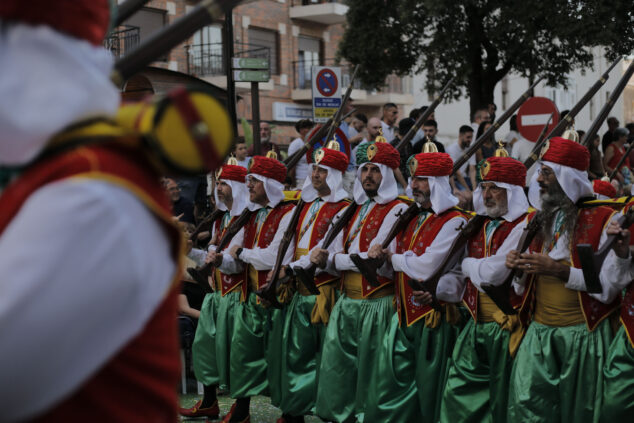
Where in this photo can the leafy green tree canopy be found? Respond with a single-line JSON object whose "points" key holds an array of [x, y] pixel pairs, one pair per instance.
{"points": [[481, 41]]}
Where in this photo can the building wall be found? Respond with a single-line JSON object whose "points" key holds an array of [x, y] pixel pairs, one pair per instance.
{"points": [[451, 116]]}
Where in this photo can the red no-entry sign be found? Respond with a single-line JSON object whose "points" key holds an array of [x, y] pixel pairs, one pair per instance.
{"points": [[533, 115]]}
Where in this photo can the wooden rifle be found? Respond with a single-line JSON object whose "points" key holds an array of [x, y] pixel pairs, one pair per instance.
{"points": [[368, 267], [420, 121], [500, 294], [567, 120], [307, 276], [164, 40], [618, 165], [605, 111], [592, 262], [455, 253], [496, 125], [269, 291], [328, 128], [292, 160], [201, 275], [209, 220], [127, 9]]}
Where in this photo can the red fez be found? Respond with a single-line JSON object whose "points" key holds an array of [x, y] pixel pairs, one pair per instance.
{"points": [[233, 173], [331, 158], [84, 19], [567, 153], [430, 164], [383, 153], [503, 169], [268, 167], [604, 188]]}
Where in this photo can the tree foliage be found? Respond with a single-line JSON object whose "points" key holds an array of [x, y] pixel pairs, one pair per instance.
{"points": [[480, 41]]}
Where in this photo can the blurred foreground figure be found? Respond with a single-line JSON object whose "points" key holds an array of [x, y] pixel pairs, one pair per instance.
{"points": [[89, 250]]}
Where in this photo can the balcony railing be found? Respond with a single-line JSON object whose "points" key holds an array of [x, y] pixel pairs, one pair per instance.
{"points": [[209, 59], [324, 12], [121, 41], [302, 78]]}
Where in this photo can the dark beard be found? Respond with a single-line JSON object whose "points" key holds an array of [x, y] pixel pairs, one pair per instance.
{"points": [[553, 200], [371, 193]]}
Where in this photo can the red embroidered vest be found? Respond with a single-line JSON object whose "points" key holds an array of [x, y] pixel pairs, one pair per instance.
{"points": [[477, 248], [627, 307], [320, 227], [266, 234], [228, 283], [590, 224], [366, 235], [144, 372], [417, 242]]}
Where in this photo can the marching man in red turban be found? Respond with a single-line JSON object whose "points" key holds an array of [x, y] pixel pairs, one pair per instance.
{"points": [[557, 373]]}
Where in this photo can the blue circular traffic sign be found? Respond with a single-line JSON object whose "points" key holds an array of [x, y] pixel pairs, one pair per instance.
{"points": [[327, 83]]}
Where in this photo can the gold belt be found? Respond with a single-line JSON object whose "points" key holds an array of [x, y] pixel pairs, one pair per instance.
{"points": [[353, 287], [556, 305], [486, 308], [252, 278]]}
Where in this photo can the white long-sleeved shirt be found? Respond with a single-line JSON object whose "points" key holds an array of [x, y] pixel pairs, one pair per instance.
{"points": [[617, 272], [342, 262], [259, 258], [490, 270], [84, 267], [423, 266]]}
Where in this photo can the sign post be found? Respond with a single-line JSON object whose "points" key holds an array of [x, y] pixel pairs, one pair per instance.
{"points": [[253, 70], [326, 90], [533, 115]]}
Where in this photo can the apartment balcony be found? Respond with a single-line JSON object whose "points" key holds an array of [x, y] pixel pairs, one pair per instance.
{"points": [[208, 62], [325, 12], [396, 90], [122, 41]]}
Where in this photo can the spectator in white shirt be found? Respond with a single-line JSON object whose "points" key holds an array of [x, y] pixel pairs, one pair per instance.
{"points": [[300, 171], [481, 115], [241, 153], [465, 177], [388, 121]]}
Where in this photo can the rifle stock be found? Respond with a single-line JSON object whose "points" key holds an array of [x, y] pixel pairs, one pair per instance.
{"points": [[307, 276], [269, 291], [567, 120], [424, 116], [369, 266], [496, 125]]}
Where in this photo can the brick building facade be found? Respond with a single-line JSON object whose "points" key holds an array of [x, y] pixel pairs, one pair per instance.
{"points": [[293, 34]]}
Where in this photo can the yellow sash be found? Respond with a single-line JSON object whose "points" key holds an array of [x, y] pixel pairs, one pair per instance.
{"points": [[489, 312], [556, 305], [353, 287]]}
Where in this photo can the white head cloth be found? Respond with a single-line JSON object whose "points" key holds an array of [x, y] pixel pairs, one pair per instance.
{"points": [[601, 196], [575, 183], [515, 199], [274, 191], [439, 191], [388, 190], [334, 180], [49, 80], [240, 195]]}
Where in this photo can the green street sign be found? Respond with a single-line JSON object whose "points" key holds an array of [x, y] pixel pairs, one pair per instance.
{"points": [[251, 76], [250, 63]]}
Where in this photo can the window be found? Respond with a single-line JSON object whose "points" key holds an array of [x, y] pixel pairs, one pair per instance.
{"points": [[148, 21], [309, 55], [266, 38], [206, 53]]}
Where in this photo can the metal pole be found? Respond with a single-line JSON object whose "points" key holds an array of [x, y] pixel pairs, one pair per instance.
{"points": [[255, 107], [231, 88]]}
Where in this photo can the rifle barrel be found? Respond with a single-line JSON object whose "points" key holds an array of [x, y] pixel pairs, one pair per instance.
{"points": [[127, 9], [496, 125], [424, 116], [567, 120], [603, 114], [169, 37]]}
